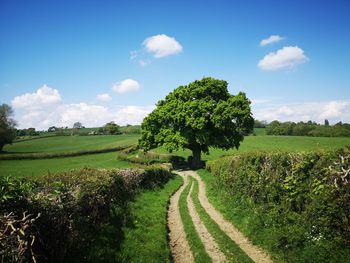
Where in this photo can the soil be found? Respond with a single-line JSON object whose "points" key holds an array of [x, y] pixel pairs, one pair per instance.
{"points": [[179, 246]]}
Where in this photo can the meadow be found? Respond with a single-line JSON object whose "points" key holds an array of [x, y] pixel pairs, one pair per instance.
{"points": [[69, 144], [39, 167], [271, 143], [147, 212]]}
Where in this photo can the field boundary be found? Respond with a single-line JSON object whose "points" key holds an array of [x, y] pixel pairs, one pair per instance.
{"points": [[33, 156]]}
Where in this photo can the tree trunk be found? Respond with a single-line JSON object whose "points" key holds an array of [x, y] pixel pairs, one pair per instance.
{"points": [[196, 159]]}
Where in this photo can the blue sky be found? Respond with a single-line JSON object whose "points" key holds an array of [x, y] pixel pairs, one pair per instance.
{"points": [[56, 57]]}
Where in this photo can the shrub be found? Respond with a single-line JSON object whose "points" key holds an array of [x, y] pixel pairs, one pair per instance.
{"points": [[303, 198], [134, 155], [72, 207]]}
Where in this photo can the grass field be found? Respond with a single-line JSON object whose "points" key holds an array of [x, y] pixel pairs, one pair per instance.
{"points": [[108, 160], [70, 143], [24, 168], [272, 143]]}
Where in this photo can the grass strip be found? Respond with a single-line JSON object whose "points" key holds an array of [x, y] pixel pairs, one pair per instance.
{"points": [[196, 245], [227, 246], [146, 236]]}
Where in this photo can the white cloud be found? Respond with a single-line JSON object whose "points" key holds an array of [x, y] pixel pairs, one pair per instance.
{"points": [[287, 57], [162, 46], [126, 85], [271, 39], [43, 96], [104, 97], [50, 112], [88, 114], [334, 111], [132, 114]]}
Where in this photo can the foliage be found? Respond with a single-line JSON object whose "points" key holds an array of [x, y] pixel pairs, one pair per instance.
{"points": [[259, 124], [77, 125], [308, 129], [303, 199], [197, 116], [7, 126], [26, 132], [72, 207], [134, 155], [112, 128], [131, 129]]}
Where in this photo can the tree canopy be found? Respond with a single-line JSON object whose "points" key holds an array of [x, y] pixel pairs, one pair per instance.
{"points": [[7, 126], [77, 125], [112, 128], [197, 116]]}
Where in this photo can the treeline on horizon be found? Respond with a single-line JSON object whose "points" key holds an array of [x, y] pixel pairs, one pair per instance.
{"points": [[109, 129], [309, 128], [288, 128]]}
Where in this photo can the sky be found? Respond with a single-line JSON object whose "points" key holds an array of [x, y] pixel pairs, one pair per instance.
{"points": [[101, 61]]}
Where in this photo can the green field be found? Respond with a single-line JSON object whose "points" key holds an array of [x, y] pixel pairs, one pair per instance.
{"points": [[70, 143], [272, 143], [58, 144], [44, 166]]}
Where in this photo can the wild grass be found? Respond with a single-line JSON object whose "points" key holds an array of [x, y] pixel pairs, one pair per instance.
{"points": [[146, 233]]}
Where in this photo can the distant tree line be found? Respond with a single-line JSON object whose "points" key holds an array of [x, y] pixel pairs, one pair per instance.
{"points": [[308, 129]]}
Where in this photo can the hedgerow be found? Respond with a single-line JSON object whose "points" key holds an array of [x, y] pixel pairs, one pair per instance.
{"points": [[134, 155], [32, 156], [58, 216], [302, 198]]}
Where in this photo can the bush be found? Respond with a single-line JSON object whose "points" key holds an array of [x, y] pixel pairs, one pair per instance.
{"points": [[134, 155], [68, 210], [303, 198], [308, 129]]}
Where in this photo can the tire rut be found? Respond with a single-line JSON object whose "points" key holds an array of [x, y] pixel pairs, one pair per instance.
{"points": [[254, 252], [179, 246], [208, 241]]}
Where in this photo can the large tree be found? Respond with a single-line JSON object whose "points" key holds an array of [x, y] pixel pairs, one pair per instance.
{"points": [[197, 116], [112, 128], [7, 126]]}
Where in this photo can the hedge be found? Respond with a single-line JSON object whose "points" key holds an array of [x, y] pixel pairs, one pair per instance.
{"points": [[57, 217], [303, 198]]}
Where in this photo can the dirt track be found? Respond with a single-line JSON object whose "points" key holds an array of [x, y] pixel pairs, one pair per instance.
{"points": [[178, 243], [179, 247]]}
